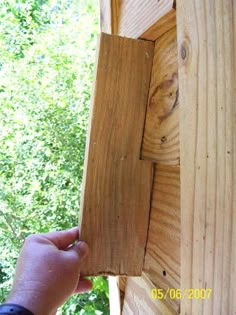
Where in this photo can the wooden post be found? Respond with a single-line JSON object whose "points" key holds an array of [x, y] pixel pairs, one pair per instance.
{"points": [[206, 45]]}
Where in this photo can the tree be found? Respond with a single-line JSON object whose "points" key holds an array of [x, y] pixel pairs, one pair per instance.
{"points": [[47, 58]]}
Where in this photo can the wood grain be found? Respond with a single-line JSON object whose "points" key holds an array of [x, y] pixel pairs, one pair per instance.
{"points": [[117, 185], [109, 16], [122, 280], [207, 61], [162, 258], [136, 17], [138, 299], [160, 27], [115, 9], [161, 133]]}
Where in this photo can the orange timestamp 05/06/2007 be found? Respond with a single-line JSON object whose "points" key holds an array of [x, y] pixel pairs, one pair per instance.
{"points": [[180, 294]]}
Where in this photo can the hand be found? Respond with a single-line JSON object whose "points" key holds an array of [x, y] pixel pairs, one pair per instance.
{"points": [[48, 271]]}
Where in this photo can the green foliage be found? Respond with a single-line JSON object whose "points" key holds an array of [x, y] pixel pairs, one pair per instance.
{"points": [[21, 21], [46, 67], [90, 303]]}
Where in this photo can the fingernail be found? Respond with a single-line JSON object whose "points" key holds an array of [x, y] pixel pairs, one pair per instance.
{"points": [[83, 249]]}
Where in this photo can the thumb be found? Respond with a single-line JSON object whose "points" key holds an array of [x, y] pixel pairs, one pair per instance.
{"points": [[81, 248]]}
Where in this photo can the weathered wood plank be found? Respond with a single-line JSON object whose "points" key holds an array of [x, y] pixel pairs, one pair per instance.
{"points": [[161, 133], [138, 299], [117, 185], [206, 40], [136, 17], [162, 258]]}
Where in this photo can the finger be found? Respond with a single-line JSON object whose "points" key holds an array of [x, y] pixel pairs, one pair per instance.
{"points": [[62, 239], [81, 249], [84, 285]]}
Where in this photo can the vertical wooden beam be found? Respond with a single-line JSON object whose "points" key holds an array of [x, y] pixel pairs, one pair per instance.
{"points": [[122, 281], [206, 40], [161, 132], [117, 184], [106, 16], [114, 296], [115, 10], [117, 287], [109, 16], [161, 145]]}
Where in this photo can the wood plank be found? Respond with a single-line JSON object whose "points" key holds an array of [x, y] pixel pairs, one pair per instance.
{"points": [[109, 16], [138, 299], [163, 25], [117, 287], [136, 17], [162, 258], [161, 133], [115, 9], [114, 296], [122, 283], [106, 16], [117, 185], [207, 67], [122, 280]]}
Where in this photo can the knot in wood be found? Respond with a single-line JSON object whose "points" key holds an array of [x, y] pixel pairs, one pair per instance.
{"points": [[184, 51]]}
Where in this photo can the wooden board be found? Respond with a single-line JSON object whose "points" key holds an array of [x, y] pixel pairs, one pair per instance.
{"points": [[114, 296], [207, 67], [136, 17], [114, 14], [109, 16], [161, 26], [106, 16], [122, 280], [117, 185], [161, 133], [117, 287], [162, 258], [138, 299], [115, 9]]}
